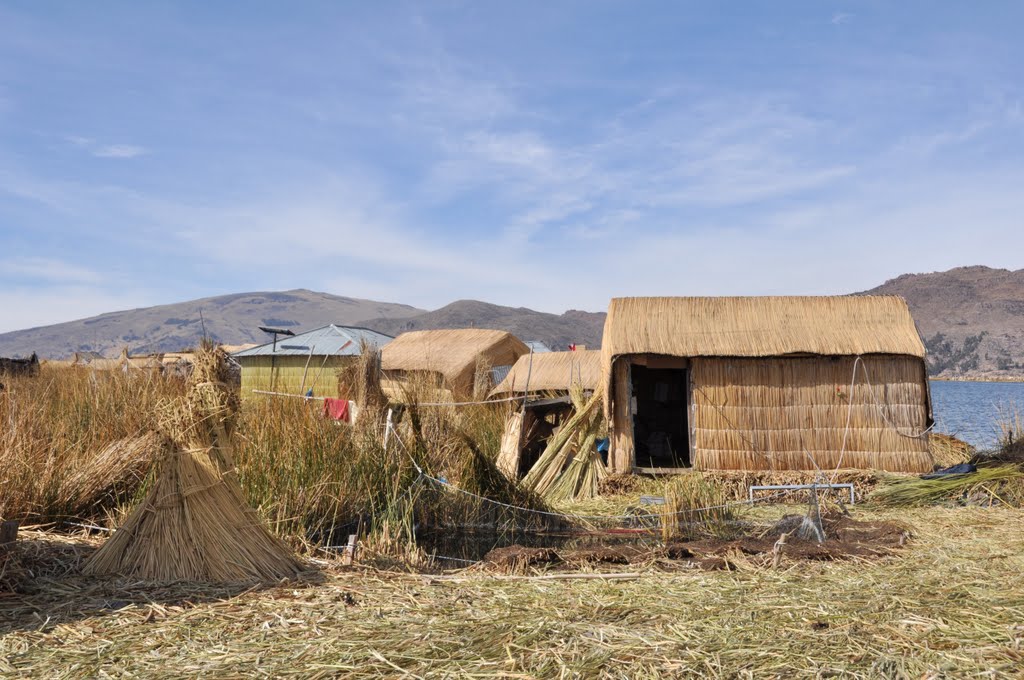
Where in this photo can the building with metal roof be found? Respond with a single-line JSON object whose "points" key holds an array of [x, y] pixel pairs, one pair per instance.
{"points": [[313, 360]]}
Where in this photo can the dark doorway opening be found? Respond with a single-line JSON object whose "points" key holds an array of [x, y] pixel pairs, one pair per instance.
{"points": [[661, 428]]}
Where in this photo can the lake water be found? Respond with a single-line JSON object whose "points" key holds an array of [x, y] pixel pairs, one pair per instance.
{"points": [[972, 410]]}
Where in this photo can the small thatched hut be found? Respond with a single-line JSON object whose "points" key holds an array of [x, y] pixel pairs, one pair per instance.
{"points": [[551, 372], [307, 361], [457, 364], [148, 364], [764, 383]]}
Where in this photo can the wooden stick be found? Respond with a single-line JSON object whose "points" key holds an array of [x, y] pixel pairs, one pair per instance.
{"points": [[625, 576], [777, 550]]}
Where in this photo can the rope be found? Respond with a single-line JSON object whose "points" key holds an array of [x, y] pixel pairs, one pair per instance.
{"points": [[572, 516], [465, 403], [287, 394], [881, 411]]}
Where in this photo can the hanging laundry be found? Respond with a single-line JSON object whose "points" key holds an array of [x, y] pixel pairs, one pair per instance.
{"points": [[336, 409]]}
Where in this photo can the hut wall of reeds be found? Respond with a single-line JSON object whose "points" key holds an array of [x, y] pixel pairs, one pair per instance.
{"points": [[293, 374], [552, 372], [456, 362], [765, 384], [309, 360]]}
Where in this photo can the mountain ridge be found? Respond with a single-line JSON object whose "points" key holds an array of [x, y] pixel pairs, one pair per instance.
{"points": [[971, 319], [230, 319]]}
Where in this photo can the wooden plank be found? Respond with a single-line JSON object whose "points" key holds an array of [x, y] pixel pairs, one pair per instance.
{"points": [[621, 455]]}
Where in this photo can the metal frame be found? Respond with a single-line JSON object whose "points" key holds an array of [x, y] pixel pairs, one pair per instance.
{"points": [[798, 487]]}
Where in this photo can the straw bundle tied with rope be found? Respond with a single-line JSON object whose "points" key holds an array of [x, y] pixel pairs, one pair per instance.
{"points": [[118, 467], [194, 523]]}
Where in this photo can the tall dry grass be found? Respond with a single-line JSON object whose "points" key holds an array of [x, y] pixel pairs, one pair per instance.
{"points": [[66, 441], [74, 447]]}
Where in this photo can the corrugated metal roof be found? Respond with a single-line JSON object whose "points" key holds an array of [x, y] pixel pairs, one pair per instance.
{"points": [[498, 374], [330, 340], [537, 346]]}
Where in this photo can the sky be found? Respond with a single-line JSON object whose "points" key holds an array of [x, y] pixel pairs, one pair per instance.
{"points": [[542, 154]]}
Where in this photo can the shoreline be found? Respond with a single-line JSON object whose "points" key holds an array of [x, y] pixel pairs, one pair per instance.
{"points": [[980, 379]]}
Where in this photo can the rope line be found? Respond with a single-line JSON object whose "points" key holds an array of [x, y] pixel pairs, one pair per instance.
{"points": [[881, 411], [466, 403], [563, 515], [572, 516]]}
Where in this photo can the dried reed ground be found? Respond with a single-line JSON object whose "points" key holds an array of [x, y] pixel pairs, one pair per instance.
{"points": [[952, 604]]}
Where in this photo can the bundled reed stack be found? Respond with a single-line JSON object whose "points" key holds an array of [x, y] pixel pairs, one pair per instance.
{"points": [[696, 506], [194, 523], [365, 389], [570, 466]]}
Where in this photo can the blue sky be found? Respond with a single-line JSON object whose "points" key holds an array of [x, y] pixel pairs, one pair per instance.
{"points": [[549, 155]]}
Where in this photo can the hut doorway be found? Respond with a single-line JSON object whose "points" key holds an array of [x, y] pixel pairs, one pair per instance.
{"points": [[661, 428]]}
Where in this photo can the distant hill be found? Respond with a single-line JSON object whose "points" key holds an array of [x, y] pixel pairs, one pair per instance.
{"points": [[556, 330], [971, 318], [231, 319]]}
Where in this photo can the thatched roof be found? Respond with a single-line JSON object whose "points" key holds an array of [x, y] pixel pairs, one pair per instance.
{"points": [[552, 372], [451, 353], [842, 325]]}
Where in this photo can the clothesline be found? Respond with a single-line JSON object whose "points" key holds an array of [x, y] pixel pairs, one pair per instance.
{"points": [[429, 403], [287, 394]]}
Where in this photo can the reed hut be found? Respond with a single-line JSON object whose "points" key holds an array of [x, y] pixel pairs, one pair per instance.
{"points": [[148, 364], [307, 361], [552, 373], [764, 383], [453, 364]]}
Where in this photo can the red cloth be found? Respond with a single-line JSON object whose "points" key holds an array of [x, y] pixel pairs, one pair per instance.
{"points": [[336, 409]]}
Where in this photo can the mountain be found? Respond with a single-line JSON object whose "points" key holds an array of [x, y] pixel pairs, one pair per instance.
{"points": [[555, 330], [231, 319], [971, 318]]}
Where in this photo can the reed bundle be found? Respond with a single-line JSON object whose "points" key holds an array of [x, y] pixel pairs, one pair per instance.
{"points": [[989, 485], [695, 505], [582, 476], [114, 472], [194, 523], [573, 442], [947, 450], [368, 394]]}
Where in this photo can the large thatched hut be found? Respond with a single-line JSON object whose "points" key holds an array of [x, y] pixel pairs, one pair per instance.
{"points": [[551, 372], [459, 363], [764, 383], [307, 361]]}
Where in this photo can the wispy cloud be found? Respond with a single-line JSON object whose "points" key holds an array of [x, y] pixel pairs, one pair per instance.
{"points": [[106, 150], [840, 18], [119, 151], [47, 270]]}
